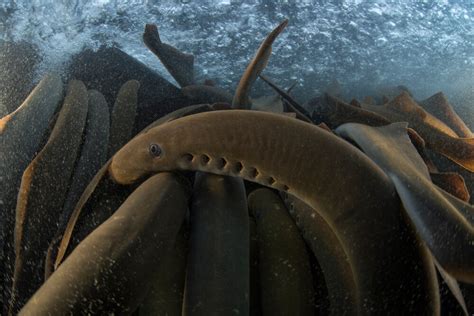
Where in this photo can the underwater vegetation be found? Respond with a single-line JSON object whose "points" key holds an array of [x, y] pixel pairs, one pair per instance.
{"points": [[225, 204]]}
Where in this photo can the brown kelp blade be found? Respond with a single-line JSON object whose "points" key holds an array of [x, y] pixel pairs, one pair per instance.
{"points": [[42, 193], [256, 66], [123, 115], [286, 282], [93, 156], [426, 206], [200, 94], [111, 270], [180, 65], [439, 106], [335, 112], [301, 113], [332, 258], [21, 134], [217, 276], [63, 246], [438, 136], [452, 183]]}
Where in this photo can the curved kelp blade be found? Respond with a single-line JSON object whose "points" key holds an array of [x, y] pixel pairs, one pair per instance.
{"points": [[93, 155], [439, 106], [332, 258], [335, 112], [452, 183], [254, 279], [42, 193], [21, 133], [64, 244], [165, 296], [437, 135], [112, 269], [122, 119], [217, 278], [349, 191], [286, 282], [301, 113], [442, 226], [256, 66], [180, 65]]}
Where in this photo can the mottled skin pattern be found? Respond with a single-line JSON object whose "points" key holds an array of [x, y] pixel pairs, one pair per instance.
{"points": [[351, 193]]}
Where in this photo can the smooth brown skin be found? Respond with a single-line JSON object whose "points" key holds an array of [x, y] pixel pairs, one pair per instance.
{"points": [[217, 275], [42, 193], [351, 193], [112, 269], [21, 134], [103, 171], [333, 260], [180, 65], [452, 183], [437, 135], [286, 283], [442, 225], [122, 119], [257, 64], [439, 106]]}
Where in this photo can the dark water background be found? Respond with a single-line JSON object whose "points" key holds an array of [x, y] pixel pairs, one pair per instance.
{"points": [[427, 46]]}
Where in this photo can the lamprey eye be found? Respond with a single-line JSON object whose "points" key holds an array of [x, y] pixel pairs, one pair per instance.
{"points": [[155, 150]]}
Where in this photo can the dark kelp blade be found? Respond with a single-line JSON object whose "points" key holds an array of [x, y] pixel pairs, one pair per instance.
{"points": [[439, 106], [217, 277], [452, 183], [333, 259], [286, 282], [111, 270], [93, 156], [301, 113], [42, 193], [426, 206], [201, 94], [256, 66], [335, 112], [62, 249], [21, 133], [123, 115], [180, 65], [167, 290]]}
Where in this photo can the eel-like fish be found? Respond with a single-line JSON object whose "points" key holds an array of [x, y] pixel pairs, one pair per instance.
{"points": [[167, 290], [122, 119], [111, 271], [103, 171], [180, 65], [286, 282], [437, 135], [257, 64], [217, 276], [21, 133], [93, 156], [350, 191], [447, 230], [439, 106], [42, 193]]}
